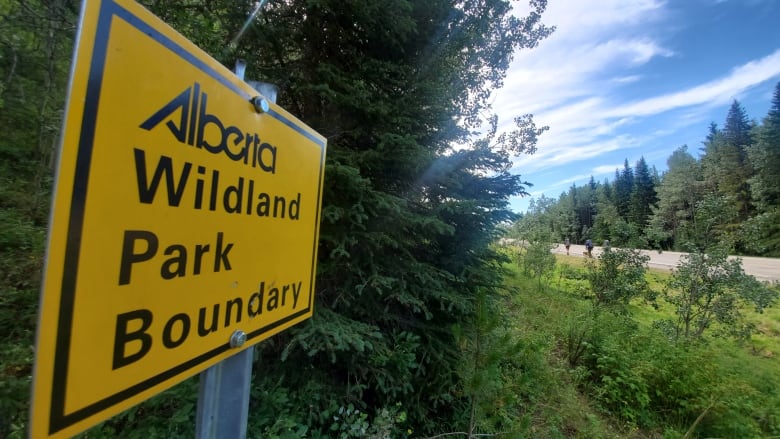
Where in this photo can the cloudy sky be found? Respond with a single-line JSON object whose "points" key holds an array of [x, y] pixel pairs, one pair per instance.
{"points": [[622, 79]]}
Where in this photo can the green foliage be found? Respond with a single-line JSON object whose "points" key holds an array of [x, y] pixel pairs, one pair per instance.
{"points": [[543, 399], [761, 234], [647, 384], [725, 160], [710, 291], [490, 368], [538, 260], [624, 185], [712, 225], [764, 156], [728, 195], [350, 422], [638, 376], [620, 387], [536, 232], [35, 47], [407, 219], [617, 276], [679, 191], [21, 248], [647, 381], [643, 195], [620, 232], [170, 414]]}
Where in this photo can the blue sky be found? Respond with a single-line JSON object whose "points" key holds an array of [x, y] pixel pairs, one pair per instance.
{"points": [[622, 79]]}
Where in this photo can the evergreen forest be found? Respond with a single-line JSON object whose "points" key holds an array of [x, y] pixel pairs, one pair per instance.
{"points": [[424, 326], [726, 194]]}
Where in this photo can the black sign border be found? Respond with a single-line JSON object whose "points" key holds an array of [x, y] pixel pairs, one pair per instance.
{"points": [[109, 9]]}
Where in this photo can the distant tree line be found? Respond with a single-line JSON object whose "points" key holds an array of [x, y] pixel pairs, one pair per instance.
{"points": [[728, 197]]}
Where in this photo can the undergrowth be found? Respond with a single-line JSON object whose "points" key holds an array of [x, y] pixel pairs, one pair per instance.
{"points": [[636, 382]]}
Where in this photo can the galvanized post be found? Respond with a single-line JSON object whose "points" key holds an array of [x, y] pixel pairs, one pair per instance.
{"points": [[223, 396]]}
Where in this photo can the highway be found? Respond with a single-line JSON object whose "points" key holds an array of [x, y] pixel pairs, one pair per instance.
{"points": [[764, 269]]}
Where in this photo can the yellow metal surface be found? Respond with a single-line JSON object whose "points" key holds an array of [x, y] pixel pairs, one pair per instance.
{"points": [[181, 215]]}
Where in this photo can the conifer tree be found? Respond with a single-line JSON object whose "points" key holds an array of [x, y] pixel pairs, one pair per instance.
{"points": [[736, 131], [763, 230], [624, 185], [586, 200], [726, 167], [765, 158], [680, 190], [569, 223], [607, 189], [643, 196], [406, 220]]}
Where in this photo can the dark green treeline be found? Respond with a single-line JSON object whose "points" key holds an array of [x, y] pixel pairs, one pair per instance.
{"points": [[729, 196]]}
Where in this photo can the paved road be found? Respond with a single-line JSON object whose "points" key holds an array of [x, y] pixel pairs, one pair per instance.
{"points": [[766, 269]]}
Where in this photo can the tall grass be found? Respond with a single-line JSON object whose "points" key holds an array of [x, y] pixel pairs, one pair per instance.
{"points": [[617, 376]]}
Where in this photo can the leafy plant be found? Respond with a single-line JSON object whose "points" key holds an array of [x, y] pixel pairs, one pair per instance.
{"points": [[618, 276], [538, 260], [709, 292]]}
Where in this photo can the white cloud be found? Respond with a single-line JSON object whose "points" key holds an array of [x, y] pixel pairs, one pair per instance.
{"points": [[571, 82], [574, 81], [554, 155], [627, 79], [714, 92], [559, 81]]}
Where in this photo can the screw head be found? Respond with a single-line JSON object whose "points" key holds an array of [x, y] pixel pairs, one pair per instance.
{"points": [[237, 339], [261, 104]]}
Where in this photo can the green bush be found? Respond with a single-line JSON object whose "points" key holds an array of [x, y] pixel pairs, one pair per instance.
{"points": [[618, 276], [538, 261]]}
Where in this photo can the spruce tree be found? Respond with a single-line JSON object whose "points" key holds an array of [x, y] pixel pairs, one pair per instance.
{"points": [[764, 154], [765, 158], [643, 196], [624, 185], [407, 220], [726, 167], [569, 223], [736, 131], [585, 206]]}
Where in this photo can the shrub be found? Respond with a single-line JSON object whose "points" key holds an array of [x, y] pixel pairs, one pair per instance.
{"points": [[617, 276]]}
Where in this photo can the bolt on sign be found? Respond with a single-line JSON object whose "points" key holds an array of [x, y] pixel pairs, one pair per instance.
{"points": [[183, 212]]}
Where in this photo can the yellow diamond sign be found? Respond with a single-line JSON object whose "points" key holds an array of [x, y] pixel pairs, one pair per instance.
{"points": [[182, 214]]}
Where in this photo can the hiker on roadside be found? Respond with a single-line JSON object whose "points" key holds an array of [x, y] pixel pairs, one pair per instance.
{"points": [[589, 247], [567, 244], [607, 247]]}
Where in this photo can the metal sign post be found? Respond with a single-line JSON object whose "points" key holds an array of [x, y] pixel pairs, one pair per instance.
{"points": [[223, 398], [223, 395]]}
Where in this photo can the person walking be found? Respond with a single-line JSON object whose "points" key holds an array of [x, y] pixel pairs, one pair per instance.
{"points": [[567, 244], [589, 247]]}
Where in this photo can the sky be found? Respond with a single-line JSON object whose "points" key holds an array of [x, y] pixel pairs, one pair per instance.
{"points": [[625, 79]]}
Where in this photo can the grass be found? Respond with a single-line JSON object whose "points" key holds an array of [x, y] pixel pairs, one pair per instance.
{"points": [[555, 407], [764, 343], [740, 397]]}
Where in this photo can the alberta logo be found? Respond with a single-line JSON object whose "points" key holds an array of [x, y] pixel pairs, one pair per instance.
{"points": [[196, 127], [213, 188]]}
